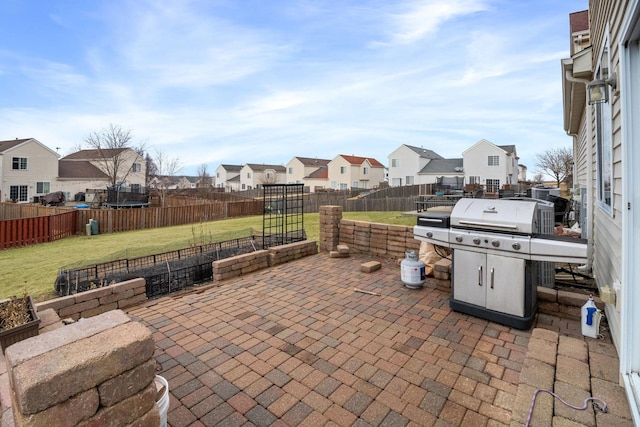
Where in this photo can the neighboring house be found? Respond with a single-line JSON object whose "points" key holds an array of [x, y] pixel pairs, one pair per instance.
{"points": [[406, 162], [228, 177], [490, 165], [605, 129], [299, 168], [347, 172], [255, 175], [99, 169], [318, 179], [28, 170], [446, 173], [522, 173]]}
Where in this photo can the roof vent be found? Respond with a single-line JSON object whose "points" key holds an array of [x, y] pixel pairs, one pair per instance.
{"points": [[458, 169]]}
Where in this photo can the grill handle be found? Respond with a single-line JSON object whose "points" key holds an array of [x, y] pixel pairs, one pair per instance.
{"points": [[480, 276], [492, 278], [488, 224]]}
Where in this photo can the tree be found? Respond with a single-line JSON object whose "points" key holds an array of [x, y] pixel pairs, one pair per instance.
{"points": [[165, 167], [203, 176], [116, 154], [556, 163]]}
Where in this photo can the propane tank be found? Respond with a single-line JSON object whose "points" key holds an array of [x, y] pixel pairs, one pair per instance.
{"points": [[590, 318], [412, 270]]}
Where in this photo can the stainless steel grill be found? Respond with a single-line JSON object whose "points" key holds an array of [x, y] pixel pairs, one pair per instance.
{"points": [[502, 250]]}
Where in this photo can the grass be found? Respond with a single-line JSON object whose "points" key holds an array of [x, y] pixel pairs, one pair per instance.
{"points": [[34, 269]]}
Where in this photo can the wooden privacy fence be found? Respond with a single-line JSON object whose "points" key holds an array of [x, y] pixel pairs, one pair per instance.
{"points": [[117, 220], [33, 230]]}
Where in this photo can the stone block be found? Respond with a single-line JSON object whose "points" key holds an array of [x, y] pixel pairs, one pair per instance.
{"points": [[572, 371], [370, 266], [36, 346], [336, 254], [574, 348], [70, 412], [127, 384], [546, 294], [126, 411], [48, 379], [443, 265], [440, 275], [537, 374]]}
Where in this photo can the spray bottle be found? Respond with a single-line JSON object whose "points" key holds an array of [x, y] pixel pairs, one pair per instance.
{"points": [[590, 318]]}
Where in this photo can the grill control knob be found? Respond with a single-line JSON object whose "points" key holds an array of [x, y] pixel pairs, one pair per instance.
{"points": [[516, 246], [458, 239], [495, 243], [429, 234], [476, 240]]}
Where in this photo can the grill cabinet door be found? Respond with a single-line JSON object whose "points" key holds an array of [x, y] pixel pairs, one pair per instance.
{"points": [[469, 277], [505, 284], [490, 281]]}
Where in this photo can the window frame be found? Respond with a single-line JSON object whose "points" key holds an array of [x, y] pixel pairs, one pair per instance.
{"points": [[43, 184], [22, 193], [603, 124], [19, 163], [495, 162]]}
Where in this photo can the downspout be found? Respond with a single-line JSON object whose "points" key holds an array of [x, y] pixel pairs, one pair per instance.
{"points": [[589, 203]]}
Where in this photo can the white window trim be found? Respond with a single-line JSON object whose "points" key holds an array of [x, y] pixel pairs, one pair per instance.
{"points": [[605, 136], [629, 315]]}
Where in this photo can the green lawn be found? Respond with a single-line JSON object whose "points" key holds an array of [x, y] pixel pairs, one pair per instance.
{"points": [[34, 269]]}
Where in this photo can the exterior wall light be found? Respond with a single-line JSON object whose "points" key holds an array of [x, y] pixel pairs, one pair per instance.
{"points": [[598, 89]]}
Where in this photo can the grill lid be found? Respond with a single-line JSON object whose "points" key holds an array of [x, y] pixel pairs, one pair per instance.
{"points": [[515, 216]]}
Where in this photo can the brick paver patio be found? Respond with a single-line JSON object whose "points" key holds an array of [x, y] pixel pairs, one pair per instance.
{"points": [[297, 345]]}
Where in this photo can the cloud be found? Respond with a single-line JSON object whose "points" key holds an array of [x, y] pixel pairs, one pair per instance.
{"points": [[422, 18]]}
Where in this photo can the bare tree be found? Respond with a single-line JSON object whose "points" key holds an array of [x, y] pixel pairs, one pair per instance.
{"points": [[556, 163], [537, 178], [203, 176], [166, 167], [114, 146]]}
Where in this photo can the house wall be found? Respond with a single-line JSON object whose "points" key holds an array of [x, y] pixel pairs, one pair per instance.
{"points": [[42, 166], [298, 171], [475, 163], [73, 186], [605, 25], [250, 179], [222, 178], [410, 164]]}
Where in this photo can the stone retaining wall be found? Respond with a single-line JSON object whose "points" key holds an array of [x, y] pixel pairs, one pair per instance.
{"points": [[97, 301], [258, 260], [96, 372]]}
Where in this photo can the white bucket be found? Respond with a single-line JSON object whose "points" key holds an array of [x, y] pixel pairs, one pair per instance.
{"points": [[163, 402]]}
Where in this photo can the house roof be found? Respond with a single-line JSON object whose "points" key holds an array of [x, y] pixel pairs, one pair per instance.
{"points": [[231, 168], [423, 152], [5, 145], [260, 167], [308, 161], [508, 148], [79, 169], [440, 166], [95, 154], [234, 179], [321, 173], [356, 160]]}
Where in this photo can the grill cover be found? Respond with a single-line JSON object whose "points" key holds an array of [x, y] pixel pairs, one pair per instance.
{"points": [[517, 216]]}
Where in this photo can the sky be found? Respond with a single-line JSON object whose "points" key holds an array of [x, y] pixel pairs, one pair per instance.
{"points": [[252, 81]]}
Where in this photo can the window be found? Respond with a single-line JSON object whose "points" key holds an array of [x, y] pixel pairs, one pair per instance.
{"points": [[493, 185], [396, 182], [494, 160], [290, 171], [343, 186], [343, 170], [604, 140], [19, 163], [136, 167], [217, 174], [409, 180], [474, 180], [249, 175], [355, 184], [136, 188], [395, 163], [43, 187], [18, 193], [365, 171]]}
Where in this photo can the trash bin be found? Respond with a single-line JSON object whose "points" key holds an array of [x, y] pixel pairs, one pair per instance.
{"points": [[94, 226]]}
